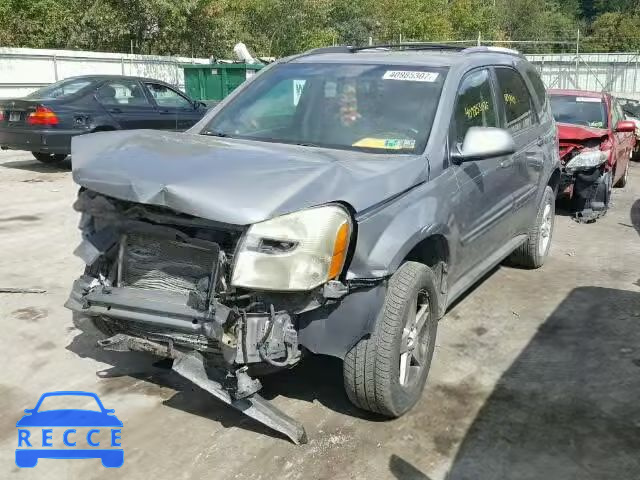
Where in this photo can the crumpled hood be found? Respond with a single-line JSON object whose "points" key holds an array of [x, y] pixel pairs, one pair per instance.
{"points": [[567, 132], [235, 181]]}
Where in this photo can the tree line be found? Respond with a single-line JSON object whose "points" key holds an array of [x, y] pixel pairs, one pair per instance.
{"points": [[210, 28]]}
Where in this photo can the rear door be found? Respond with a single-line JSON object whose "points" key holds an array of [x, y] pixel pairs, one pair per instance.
{"points": [[127, 102], [485, 197], [176, 110], [520, 118]]}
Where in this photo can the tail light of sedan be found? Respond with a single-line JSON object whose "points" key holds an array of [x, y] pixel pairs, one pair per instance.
{"points": [[43, 116]]}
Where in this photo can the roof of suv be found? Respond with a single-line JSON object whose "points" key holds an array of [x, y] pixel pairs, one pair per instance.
{"points": [[446, 56]]}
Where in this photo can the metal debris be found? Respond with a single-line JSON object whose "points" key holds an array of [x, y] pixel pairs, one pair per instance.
{"points": [[21, 290]]}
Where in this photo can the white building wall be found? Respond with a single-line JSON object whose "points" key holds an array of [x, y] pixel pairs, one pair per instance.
{"points": [[618, 73], [23, 70]]}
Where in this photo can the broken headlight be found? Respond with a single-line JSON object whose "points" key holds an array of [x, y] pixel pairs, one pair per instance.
{"points": [[297, 251], [587, 159]]}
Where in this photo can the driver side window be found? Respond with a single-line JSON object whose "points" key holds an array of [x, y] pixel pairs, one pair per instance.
{"points": [[475, 106], [275, 109]]}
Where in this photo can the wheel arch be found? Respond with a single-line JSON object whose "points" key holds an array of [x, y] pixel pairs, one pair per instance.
{"points": [[554, 180], [434, 252]]}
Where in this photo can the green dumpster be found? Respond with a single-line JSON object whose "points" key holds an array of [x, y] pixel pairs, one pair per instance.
{"points": [[215, 81]]}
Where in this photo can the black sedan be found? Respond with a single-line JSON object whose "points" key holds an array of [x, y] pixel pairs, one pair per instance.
{"points": [[44, 121]]}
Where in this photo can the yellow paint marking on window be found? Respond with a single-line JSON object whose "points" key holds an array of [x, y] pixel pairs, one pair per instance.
{"points": [[510, 99], [475, 110]]}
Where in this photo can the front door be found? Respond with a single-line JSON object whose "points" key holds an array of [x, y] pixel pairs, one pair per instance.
{"points": [[484, 200], [177, 112], [126, 101]]}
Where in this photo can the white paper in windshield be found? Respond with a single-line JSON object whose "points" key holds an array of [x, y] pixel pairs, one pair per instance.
{"points": [[588, 99], [410, 76]]}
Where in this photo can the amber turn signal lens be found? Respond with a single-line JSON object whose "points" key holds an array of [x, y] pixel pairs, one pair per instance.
{"points": [[339, 251]]}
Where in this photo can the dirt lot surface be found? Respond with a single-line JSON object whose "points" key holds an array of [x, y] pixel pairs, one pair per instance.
{"points": [[536, 373]]}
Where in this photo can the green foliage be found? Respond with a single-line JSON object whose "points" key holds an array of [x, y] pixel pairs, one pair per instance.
{"points": [[282, 27], [615, 32]]}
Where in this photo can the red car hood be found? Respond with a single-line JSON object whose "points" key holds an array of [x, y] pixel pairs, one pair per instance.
{"points": [[579, 132]]}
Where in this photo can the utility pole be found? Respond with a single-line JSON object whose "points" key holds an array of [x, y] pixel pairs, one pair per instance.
{"points": [[577, 58]]}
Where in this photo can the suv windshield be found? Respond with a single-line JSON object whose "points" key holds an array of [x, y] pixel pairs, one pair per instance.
{"points": [[60, 89], [375, 108], [588, 111]]}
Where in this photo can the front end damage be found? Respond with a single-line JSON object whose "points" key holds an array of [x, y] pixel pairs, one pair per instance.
{"points": [[160, 282], [586, 177]]}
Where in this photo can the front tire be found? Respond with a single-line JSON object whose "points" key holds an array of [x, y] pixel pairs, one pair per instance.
{"points": [[534, 251], [386, 372], [49, 158]]}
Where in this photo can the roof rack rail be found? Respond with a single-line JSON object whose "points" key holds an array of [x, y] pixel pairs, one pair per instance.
{"points": [[335, 49], [411, 46], [384, 46], [489, 48]]}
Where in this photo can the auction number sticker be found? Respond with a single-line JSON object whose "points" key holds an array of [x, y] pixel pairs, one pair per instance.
{"points": [[410, 76]]}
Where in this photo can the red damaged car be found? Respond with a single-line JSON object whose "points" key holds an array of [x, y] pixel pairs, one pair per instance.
{"points": [[596, 143]]}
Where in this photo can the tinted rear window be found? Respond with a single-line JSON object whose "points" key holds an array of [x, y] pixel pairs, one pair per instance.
{"points": [[61, 89]]}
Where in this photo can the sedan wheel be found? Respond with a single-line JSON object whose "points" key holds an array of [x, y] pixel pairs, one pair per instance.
{"points": [[415, 341], [49, 158], [546, 226]]}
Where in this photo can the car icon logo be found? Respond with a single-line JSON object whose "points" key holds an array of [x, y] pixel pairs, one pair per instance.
{"points": [[64, 431]]}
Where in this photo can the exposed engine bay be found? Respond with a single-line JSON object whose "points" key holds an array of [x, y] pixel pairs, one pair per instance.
{"points": [[158, 281], [587, 178]]}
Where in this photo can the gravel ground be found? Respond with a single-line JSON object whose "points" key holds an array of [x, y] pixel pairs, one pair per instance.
{"points": [[536, 373]]}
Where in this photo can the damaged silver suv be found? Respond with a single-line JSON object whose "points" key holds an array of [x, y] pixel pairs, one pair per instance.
{"points": [[335, 204]]}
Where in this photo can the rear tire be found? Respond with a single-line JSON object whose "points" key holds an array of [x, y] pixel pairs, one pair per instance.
{"points": [[533, 252], [386, 372], [49, 158]]}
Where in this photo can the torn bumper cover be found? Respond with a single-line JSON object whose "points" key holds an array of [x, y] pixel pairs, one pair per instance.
{"points": [[160, 282], [587, 179]]}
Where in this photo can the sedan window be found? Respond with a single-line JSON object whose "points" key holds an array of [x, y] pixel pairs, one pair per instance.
{"points": [[122, 92], [60, 89], [167, 97], [587, 111]]}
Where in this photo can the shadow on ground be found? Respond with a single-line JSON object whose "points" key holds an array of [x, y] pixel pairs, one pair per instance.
{"points": [[39, 167], [568, 407]]}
